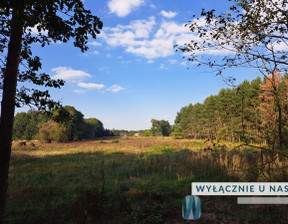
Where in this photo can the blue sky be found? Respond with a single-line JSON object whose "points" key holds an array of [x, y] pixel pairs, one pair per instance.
{"points": [[131, 72]]}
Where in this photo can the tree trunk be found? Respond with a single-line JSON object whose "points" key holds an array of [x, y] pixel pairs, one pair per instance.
{"points": [[8, 103], [280, 125], [276, 92]]}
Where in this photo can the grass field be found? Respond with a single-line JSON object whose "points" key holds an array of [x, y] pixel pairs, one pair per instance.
{"points": [[126, 180]]}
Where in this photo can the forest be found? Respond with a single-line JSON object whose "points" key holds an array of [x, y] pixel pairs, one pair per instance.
{"points": [[253, 112], [58, 125], [247, 113], [237, 135]]}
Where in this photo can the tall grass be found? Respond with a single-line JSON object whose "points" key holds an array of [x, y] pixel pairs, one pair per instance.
{"points": [[137, 180]]}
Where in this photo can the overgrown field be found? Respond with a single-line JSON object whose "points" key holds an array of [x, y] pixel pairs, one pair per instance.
{"points": [[131, 180]]}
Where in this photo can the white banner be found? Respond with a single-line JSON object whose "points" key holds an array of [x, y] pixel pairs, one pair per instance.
{"points": [[239, 188]]}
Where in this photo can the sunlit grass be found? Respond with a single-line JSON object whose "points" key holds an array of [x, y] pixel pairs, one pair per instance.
{"points": [[139, 179]]}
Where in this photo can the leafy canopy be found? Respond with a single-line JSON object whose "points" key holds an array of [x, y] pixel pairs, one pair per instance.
{"points": [[252, 34], [45, 22]]}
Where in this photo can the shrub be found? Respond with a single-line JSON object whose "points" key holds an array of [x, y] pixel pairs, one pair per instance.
{"points": [[52, 131]]}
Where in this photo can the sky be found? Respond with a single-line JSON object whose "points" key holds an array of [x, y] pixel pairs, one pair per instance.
{"points": [[131, 72]]}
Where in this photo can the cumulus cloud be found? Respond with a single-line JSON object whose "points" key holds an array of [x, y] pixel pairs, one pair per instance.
{"points": [[148, 39], [115, 88], [91, 85], [133, 34], [124, 7], [138, 37], [169, 14], [68, 73]]}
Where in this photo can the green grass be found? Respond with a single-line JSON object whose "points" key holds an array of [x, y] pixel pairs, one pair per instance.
{"points": [[140, 180]]}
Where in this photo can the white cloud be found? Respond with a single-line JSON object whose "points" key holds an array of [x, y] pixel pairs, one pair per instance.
{"points": [[91, 53], [68, 73], [153, 49], [150, 61], [137, 37], [90, 85], [81, 91], [130, 34], [124, 7], [168, 29], [34, 30], [115, 88], [94, 43], [150, 40], [169, 14], [172, 61], [279, 46]]}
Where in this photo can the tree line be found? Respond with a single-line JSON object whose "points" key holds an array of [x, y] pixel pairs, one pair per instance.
{"points": [[254, 112], [58, 125]]}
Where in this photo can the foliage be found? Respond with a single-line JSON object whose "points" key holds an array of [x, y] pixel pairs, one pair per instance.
{"points": [[147, 133], [94, 128], [26, 125], [60, 125], [246, 113], [160, 128], [269, 112], [253, 33], [183, 122], [74, 123], [57, 20], [52, 132], [21, 121]]}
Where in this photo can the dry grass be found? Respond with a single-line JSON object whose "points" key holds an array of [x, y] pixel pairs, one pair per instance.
{"points": [[126, 144], [142, 180]]}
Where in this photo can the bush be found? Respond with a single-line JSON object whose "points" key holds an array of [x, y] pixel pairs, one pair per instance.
{"points": [[52, 131]]}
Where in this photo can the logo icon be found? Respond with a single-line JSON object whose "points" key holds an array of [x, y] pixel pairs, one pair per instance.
{"points": [[191, 207]]}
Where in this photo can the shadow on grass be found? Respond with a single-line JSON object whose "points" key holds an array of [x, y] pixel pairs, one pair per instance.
{"points": [[109, 187]]}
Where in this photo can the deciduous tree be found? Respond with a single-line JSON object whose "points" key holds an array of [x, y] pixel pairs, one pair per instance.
{"points": [[160, 127], [252, 34], [55, 20]]}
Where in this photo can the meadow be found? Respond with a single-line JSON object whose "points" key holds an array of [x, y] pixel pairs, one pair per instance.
{"points": [[134, 180]]}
